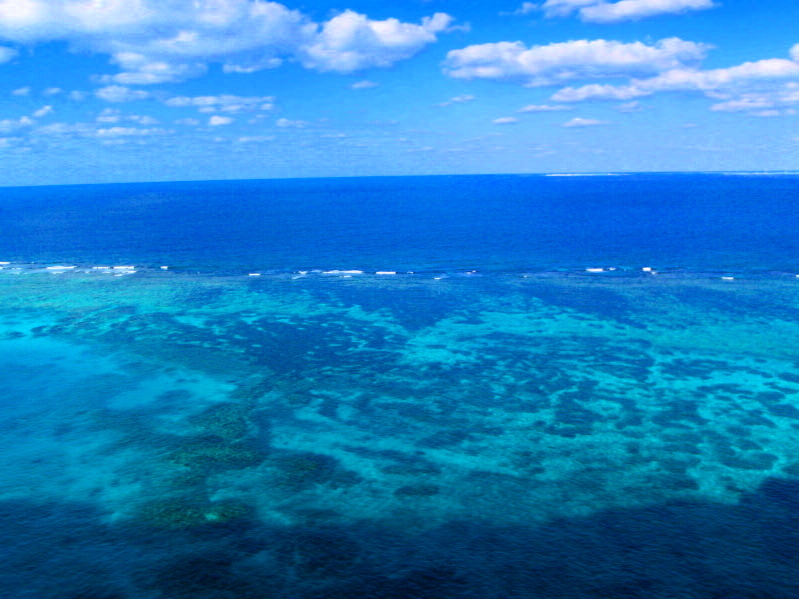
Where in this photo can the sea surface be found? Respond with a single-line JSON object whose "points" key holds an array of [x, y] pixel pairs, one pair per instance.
{"points": [[500, 387]]}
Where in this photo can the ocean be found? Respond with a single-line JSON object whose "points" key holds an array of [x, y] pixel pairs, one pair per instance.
{"points": [[493, 387]]}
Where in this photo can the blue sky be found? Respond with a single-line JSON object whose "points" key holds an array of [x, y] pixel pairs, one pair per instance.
{"points": [[142, 90]]}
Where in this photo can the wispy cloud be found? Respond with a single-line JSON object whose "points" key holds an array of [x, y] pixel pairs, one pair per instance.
{"points": [[119, 93], [581, 122], [602, 11], [544, 108], [289, 124], [130, 132], [255, 139], [525, 9], [462, 99], [11, 125], [751, 84], [365, 84], [222, 103]]}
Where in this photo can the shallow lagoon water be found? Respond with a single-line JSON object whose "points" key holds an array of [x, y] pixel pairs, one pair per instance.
{"points": [[557, 435]]}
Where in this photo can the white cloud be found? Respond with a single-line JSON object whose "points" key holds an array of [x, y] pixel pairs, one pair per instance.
{"points": [[732, 81], [141, 69], [365, 84], [505, 120], [544, 108], [216, 120], [598, 91], [67, 130], [462, 99], [10, 125], [579, 59], [22, 91], [119, 93], [564, 8], [772, 102], [53, 91], [222, 103], [111, 115], [774, 112], [92, 130], [189, 122], [43, 111], [158, 41], [77, 95], [525, 9], [143, 120], [706, 80], [744, 104], [286, 123], [602, 11], [253, 139], [129, 131], [271, 63], [633, 106], [351, 41], [581, 122]]}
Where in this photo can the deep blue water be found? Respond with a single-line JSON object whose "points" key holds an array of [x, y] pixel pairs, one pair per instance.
{"points": [[491, 223], [537, 431]]}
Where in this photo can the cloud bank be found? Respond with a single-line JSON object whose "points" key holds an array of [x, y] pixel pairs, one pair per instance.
{"points": [[159, 41], [579, 59], [764, 87]]}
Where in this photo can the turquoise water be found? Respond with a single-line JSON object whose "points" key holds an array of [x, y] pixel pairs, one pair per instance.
{"points": [[582, 390], [168, 435]]}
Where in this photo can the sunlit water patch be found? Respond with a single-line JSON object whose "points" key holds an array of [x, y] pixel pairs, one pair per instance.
{"points": [[385, 436]]}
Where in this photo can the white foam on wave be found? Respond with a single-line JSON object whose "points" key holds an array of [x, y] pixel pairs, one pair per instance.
{"points": [[727, 278], [342, 272], [59, 268], [386, 272], [594, 270], [254, 274]]}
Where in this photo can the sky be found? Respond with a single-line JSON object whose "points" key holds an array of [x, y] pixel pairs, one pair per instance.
{"points": [[97, 91]]}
